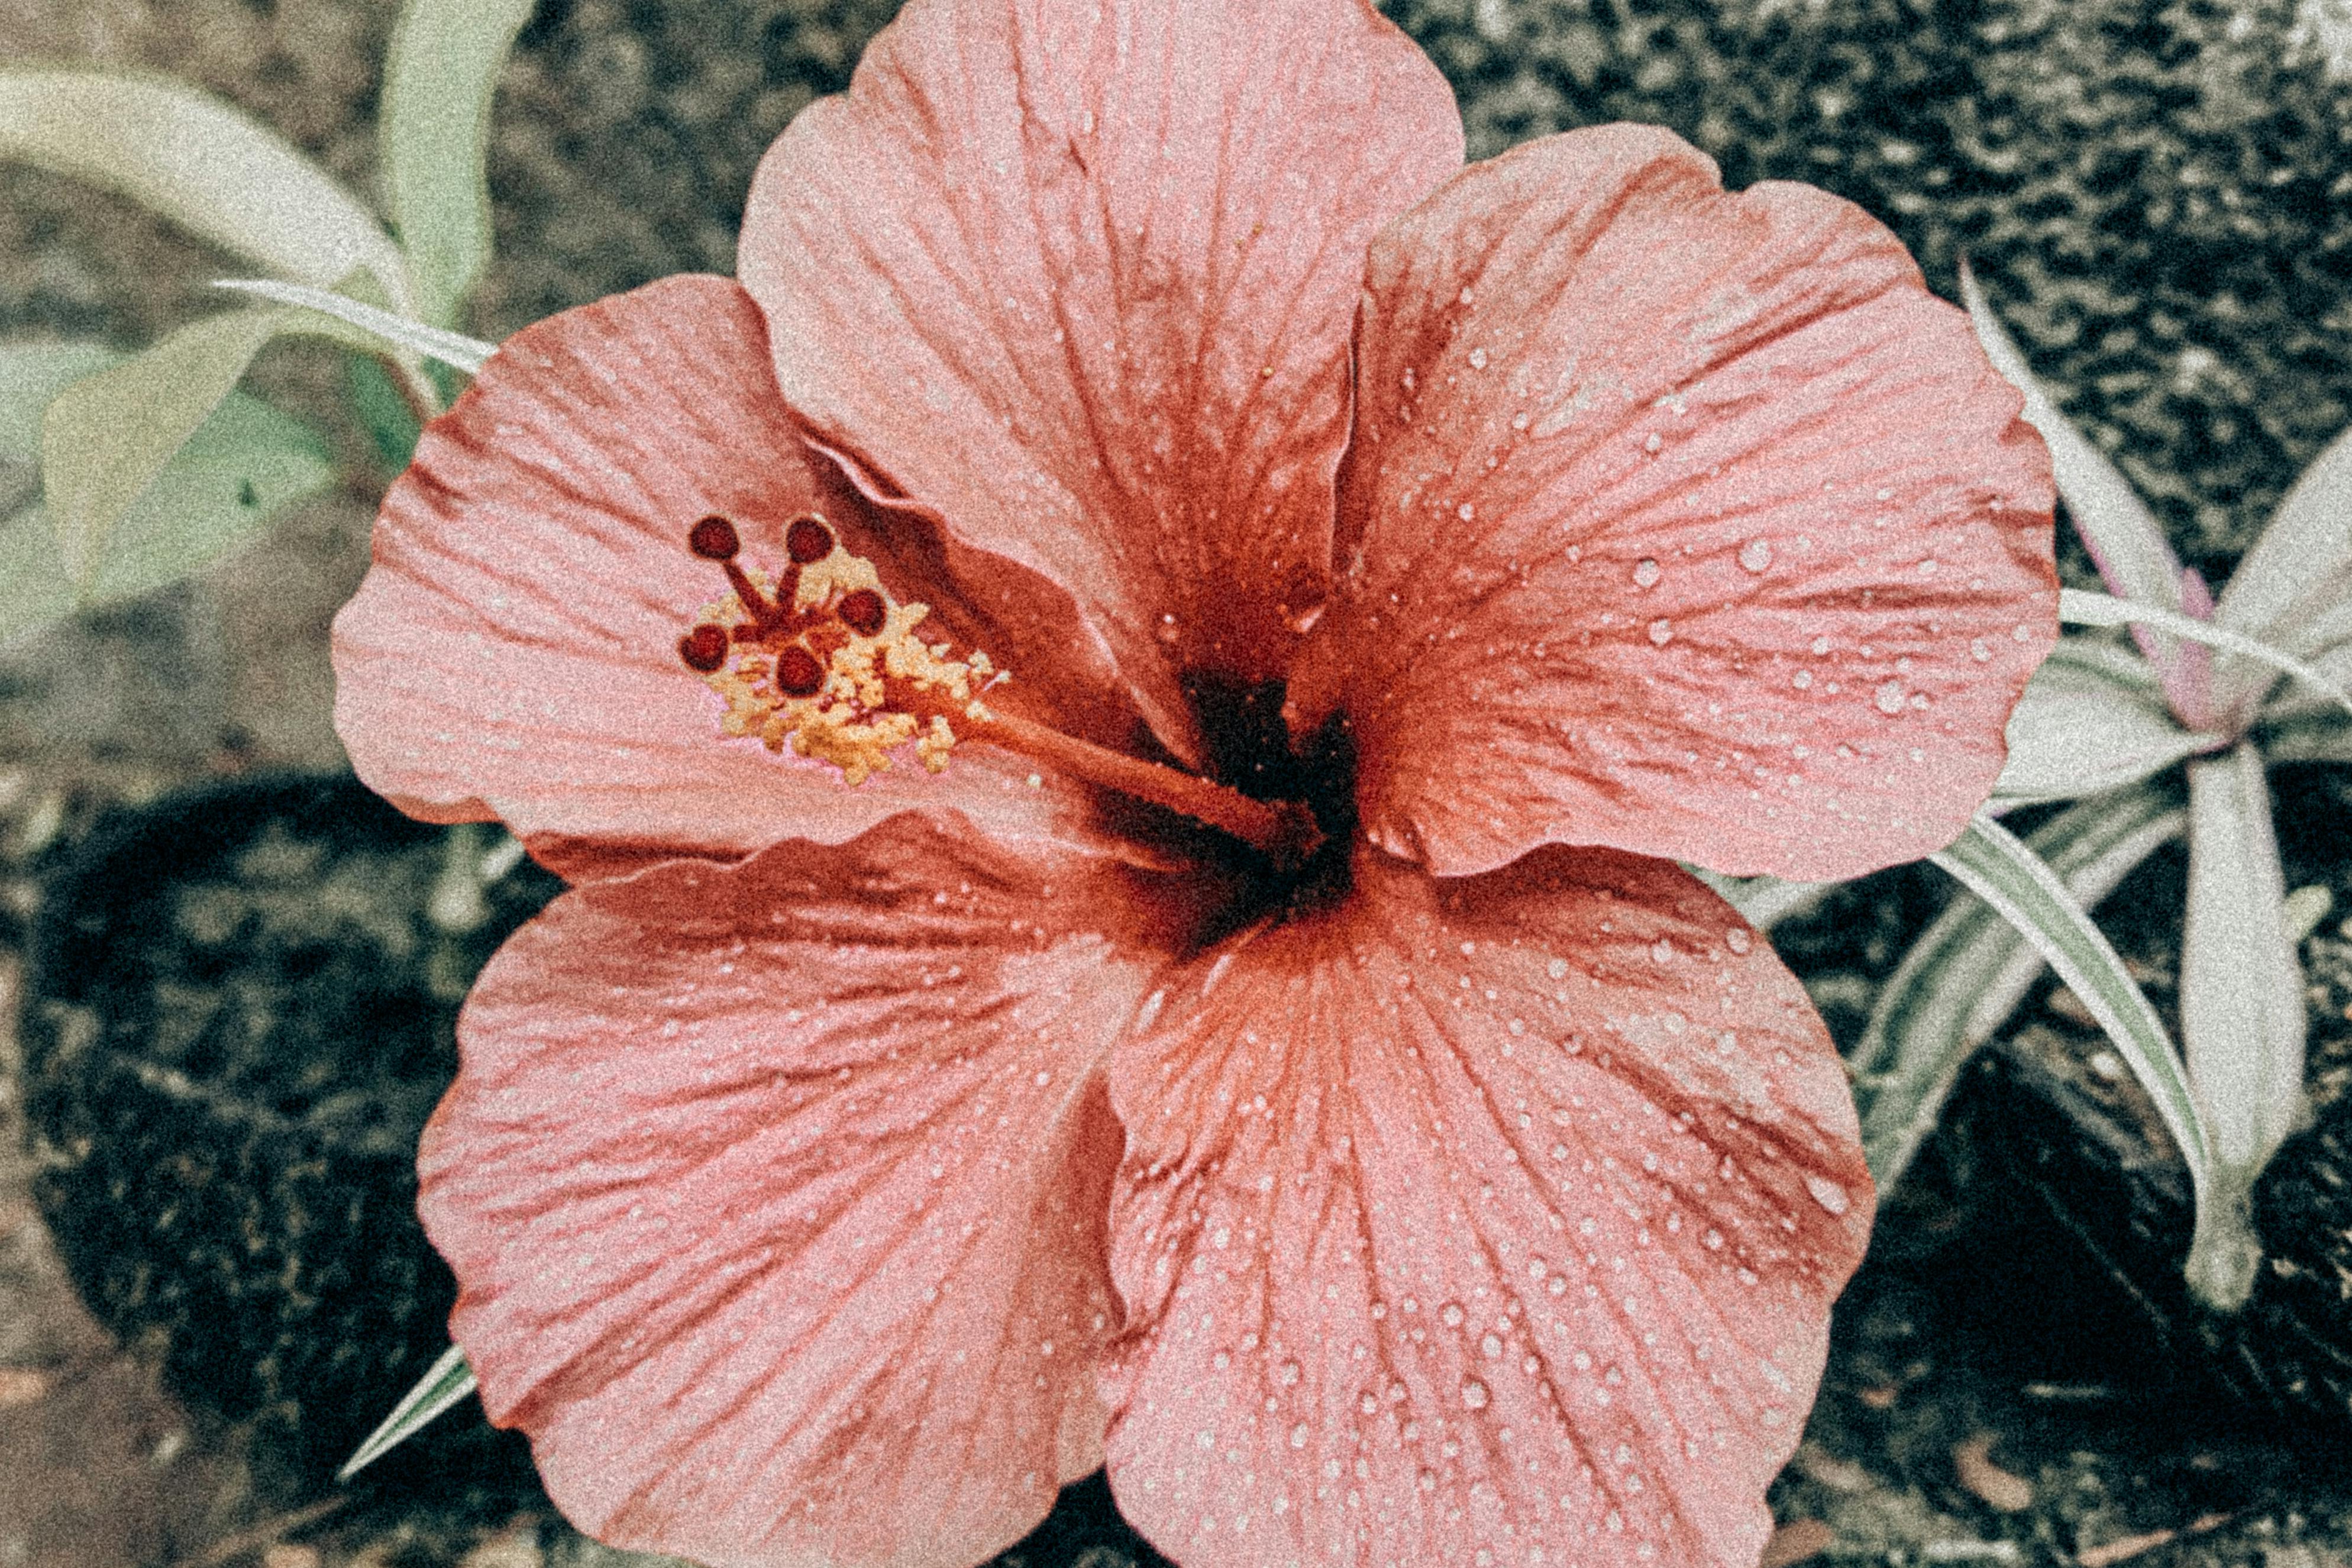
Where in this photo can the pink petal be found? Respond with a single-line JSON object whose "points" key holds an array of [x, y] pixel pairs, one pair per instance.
{"points": [[1082, 277], [1678, 522], [513, 651], [775, 1192], [1496, 1215]]}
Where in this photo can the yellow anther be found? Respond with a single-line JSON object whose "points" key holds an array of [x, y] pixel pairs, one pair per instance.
{"points": [[832, 692]]}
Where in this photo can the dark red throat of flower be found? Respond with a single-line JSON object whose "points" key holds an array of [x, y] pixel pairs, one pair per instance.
{"points": [[823, 659]]}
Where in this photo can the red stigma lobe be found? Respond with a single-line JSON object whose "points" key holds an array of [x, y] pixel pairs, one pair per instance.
{"points": [[863, 612], [704, 649], [807, 541], [798, 675], [714, 539]]}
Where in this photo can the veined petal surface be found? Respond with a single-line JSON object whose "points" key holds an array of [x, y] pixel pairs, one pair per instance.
{"points": [[513, 650], [1082, 279], [775, 1192], [1675, 521], [1497, 1216]]}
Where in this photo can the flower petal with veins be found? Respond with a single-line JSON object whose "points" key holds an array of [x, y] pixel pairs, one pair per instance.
{"points": [[1680, 522], [513, 652], [1081, 277], [777, 1194], [1497, 1215]]}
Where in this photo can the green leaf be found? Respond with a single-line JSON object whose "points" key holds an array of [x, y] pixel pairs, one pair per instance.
{"points": [[432, 135], [2222, 1251], [2082, 608], [334, 314], [243, 464], [391, 427], [31, 376], [203, 164], [106, 437], [448, 1380], [1971, 968], [2124, 536], [2242, 1022], [2311, 735], [2092, 718], [33, 591], [2298, 569]]}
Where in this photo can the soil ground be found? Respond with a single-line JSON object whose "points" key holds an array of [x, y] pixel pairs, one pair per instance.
{"points": [[2156, 190]]}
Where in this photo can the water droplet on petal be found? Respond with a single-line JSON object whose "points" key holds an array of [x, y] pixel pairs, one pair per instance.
{"points": [[1738, 939], [1755, 554], [1474, 1395], [1451, 1315], [1662, 632], [1646, 572], [1828, 1193], [1890, 697], [1299, 1436]]}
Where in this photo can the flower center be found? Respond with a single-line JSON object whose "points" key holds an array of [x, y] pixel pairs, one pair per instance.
{"points": [[822, 658]]}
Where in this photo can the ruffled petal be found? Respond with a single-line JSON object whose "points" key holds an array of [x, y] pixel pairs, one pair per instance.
{"points": [[1484, 1221], [1680, 522], [776, 1193], [514, 649], [1082, 277]]}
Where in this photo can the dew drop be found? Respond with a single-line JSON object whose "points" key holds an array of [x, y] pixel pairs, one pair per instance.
{"points": [[1890, 697], [1978, 652], [1755, 554], [1662, 632], [1477, 358], [1653, 443], [1369, 1404], [1662, 951], [1299, 1436], [1474, 1395], [1738, 939], [1828, 1193], [1286, 1374], [1646, 572], [1451, 1315], [1821, 646]]}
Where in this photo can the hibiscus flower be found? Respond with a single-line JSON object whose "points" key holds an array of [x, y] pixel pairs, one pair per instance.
{"points": [[1120, 714]]}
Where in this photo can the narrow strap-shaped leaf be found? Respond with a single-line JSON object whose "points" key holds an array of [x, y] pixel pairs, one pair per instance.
{"points": [[105, 438], [2124, 537], [433, 134], [1765, 900], [203, 164], [1970, 969], [446, 1382], [2091, 719], [1998, 868], [2080, 608], [453, 349], [2315, 734], [2309, 534], [2242, 1022], [2224, 1252]]}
